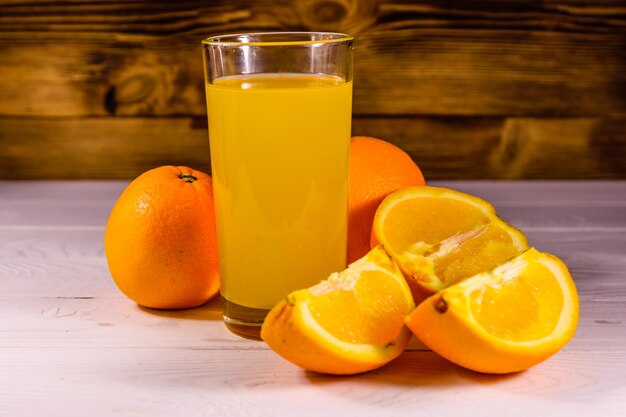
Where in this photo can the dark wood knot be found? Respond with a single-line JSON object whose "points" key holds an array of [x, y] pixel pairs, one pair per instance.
{"points": [[133, 89], [328, 11], [349, 16], [110, 104]]}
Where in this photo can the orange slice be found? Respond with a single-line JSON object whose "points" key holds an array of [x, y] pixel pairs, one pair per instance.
{"points": [[350, 323], [439, 236], [502, 321]]}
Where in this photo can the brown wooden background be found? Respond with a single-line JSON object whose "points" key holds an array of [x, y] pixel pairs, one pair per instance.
{"points": [[471, 89]]}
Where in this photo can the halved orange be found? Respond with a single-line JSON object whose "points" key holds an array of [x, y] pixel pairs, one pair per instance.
{"points": [[502, 321], [350, 323], [440, 236]]}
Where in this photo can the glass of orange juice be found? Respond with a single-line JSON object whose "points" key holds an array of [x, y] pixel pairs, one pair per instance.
{"points": [[279, 110]]}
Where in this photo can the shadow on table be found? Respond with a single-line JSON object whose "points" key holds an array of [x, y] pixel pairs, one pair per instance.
{"points": [[211, 310], [414, 368]]}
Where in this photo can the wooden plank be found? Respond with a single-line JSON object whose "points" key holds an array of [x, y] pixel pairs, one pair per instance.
{"points": [[165, 382], [77, 316], [445, 148], [533, 193], [59, 216], [531, 147], [56, 277], [513, 148], [586, 249], [501, 193], [38, 260], [70, 341], [131, 58], [197, 341], [112, 322], [68, 264], [99, 147], [35, 242], [38, 192], [72, 207], [34, 266]]}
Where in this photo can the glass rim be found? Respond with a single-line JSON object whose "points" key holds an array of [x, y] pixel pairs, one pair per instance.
{"points": [[223, 40]]}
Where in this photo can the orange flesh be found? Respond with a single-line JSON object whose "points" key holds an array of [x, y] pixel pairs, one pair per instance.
{"points": [[527, 307], [491, 247], [465, 241], [403, 228], [370, 312]]}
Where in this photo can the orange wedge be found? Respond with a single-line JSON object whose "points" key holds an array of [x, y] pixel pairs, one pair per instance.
{"points": [[502, 321], [350, 323], [439, 236]]}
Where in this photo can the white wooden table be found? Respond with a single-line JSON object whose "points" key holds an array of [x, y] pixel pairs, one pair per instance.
{"points": [[72, 345]]}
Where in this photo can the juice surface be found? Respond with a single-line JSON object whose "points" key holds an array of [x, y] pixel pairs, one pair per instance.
{"points": [[279, 149]]}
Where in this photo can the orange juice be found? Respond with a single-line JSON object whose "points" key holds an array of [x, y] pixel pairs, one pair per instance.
{"points": [[280, 145]]}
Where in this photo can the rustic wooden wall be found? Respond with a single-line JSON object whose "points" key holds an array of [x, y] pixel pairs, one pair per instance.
{"points": [[471, 89]]}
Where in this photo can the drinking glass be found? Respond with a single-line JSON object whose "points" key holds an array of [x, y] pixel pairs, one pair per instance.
{"points": [[279, 111]]}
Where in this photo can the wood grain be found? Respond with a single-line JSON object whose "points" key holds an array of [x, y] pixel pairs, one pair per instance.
{"points": [[451, 147], [511, 148], [162, 382], [534, 206], [70, 341], [473, 90], [514, 192], [485, 58]]}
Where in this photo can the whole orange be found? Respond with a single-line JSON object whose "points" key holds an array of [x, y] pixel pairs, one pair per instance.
{"points": [[160, 240], [377, 168]]}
